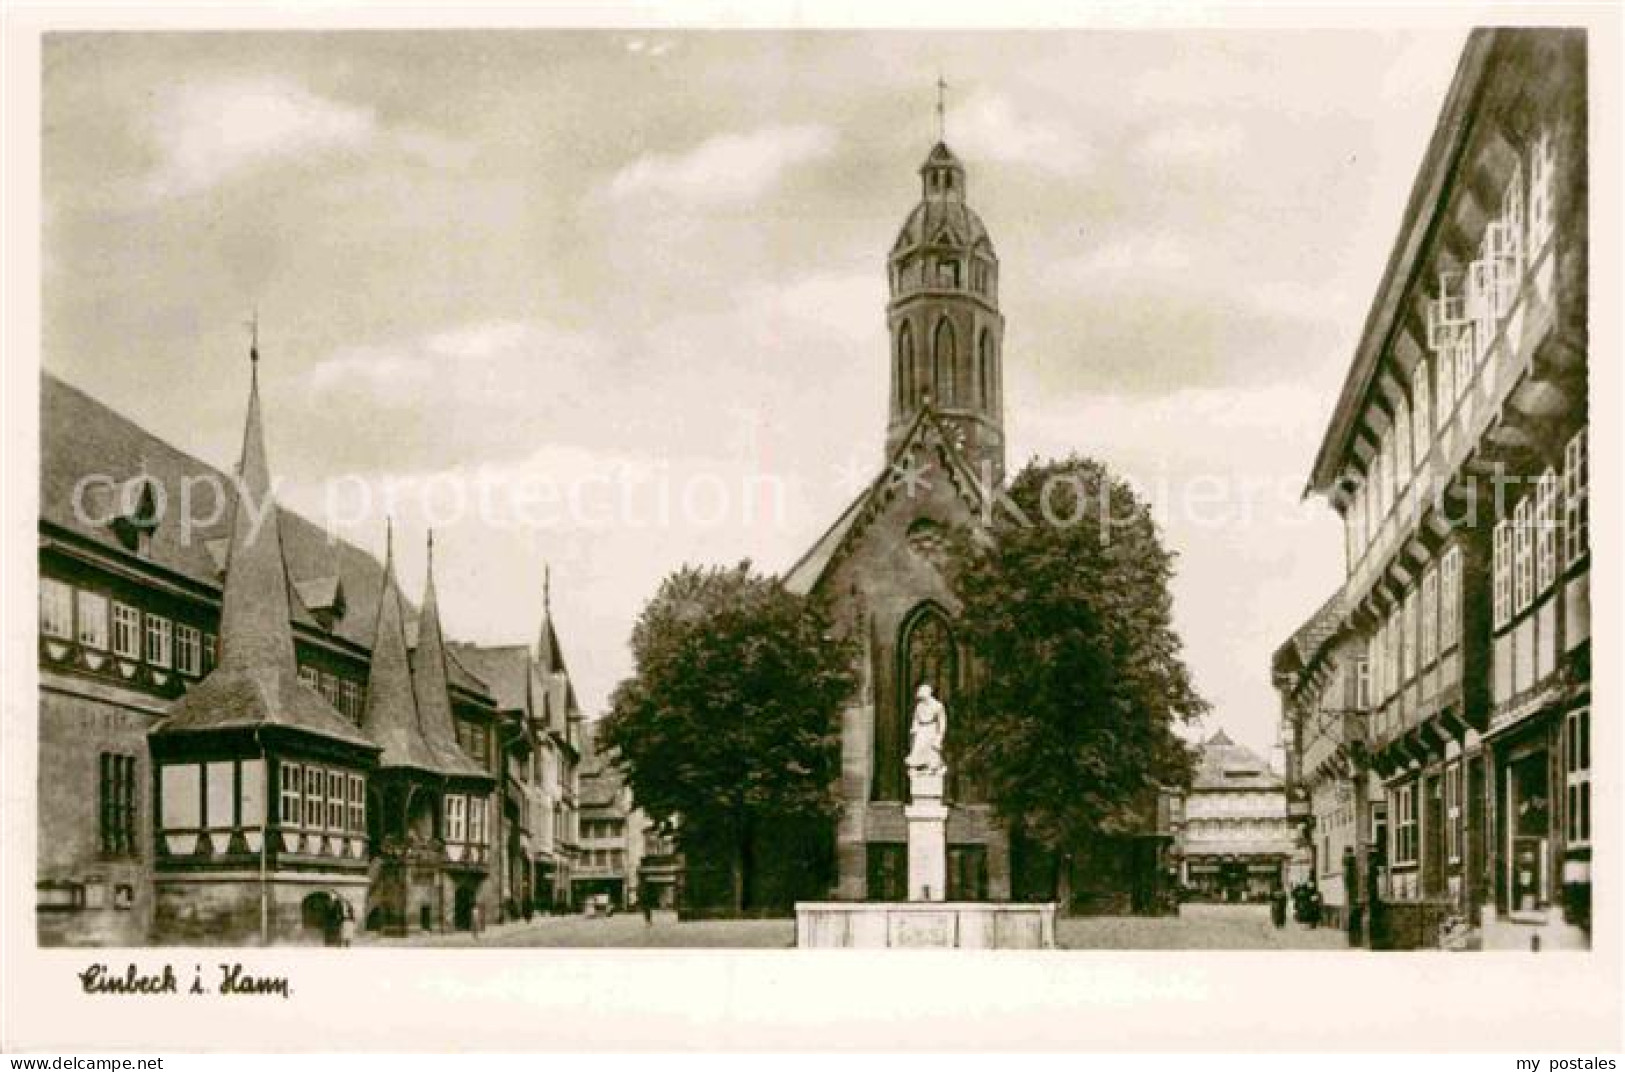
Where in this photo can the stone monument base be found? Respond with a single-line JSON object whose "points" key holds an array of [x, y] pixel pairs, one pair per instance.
{"points": [[924, 925]]}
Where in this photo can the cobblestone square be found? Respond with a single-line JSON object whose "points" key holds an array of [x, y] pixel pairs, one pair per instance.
{"points": [[1198, 926]]}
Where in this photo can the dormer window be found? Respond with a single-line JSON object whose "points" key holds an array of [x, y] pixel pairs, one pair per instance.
{"points": [[324, 598], [137, 517]]}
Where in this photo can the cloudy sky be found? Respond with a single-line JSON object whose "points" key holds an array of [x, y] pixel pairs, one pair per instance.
{"points": [[639, 273]]}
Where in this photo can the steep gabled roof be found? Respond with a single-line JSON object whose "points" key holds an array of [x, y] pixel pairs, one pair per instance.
{"points": [[256, 682], [432, 688], [391, 714], [505, 669], [80, 437], [1304, 645], [803, 577]]}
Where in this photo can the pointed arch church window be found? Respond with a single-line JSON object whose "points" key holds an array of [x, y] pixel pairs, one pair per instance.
{"points": [[906, 387], [927, 654], [984, 367], [942, 363]]}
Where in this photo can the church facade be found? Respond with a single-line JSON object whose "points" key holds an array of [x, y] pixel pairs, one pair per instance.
{"points": [[881, 566]]}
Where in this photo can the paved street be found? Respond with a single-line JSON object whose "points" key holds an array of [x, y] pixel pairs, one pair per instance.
{"points": [[1197, 927], [618, 932]]}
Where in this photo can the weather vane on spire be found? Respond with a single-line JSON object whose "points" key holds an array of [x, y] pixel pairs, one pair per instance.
{"points": [[942, 120]]}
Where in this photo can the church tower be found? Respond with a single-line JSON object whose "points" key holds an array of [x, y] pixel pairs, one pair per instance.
{"points": [[946, 330]]}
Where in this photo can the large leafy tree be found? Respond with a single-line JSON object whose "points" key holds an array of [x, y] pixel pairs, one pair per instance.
{"points": [[729, 725], [1081, 683]]}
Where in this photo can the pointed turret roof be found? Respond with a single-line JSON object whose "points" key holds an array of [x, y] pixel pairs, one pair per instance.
{"points": [[391, 715], [432, 689], [256, 682], [548, 652], [254, 610]]}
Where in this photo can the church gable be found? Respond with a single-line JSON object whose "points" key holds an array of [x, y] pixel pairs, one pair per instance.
{"points": [[903, 520]]}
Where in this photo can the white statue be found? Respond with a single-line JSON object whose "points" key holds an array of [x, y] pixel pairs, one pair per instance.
{"points": [[929, 727]]}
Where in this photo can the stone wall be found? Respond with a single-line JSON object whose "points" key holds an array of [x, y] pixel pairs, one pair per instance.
{"points": [[1408, 924], [78, 721], [226, 910]]}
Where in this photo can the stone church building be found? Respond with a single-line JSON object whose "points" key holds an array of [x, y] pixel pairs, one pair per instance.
{"points": [[881, 569], [879, 565]]}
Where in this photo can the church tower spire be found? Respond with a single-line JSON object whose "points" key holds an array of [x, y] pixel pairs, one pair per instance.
{"points": [[946, 331]]}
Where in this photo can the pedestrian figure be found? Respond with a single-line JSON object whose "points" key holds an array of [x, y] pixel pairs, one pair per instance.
{"points": [[646, 904], [346, 923], [1278, 907], [1314, 907], [477, 918]]}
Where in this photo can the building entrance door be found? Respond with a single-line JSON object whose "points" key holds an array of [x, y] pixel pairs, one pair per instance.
{"points": [[1432, 837], [888, 871], [967, 872], [1233, 881], [1528, 818]]}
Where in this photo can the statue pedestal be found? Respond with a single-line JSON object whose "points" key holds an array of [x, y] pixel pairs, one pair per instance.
{"points": [[927, 839]]}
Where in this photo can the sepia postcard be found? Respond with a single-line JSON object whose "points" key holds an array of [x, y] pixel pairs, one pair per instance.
{"points": [[678, 528]]}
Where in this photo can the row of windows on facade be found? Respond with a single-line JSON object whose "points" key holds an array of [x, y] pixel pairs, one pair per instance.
{"points": [[1234, 829], [1233, 803], [551, 823], [1462, 324], [349, 697], [602, 829], [1426, 623], [1524, 547], [313, 798], [942, 383], [226, 794], [609, 859], [942, 273], [93, 620], [1405, 847]]}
